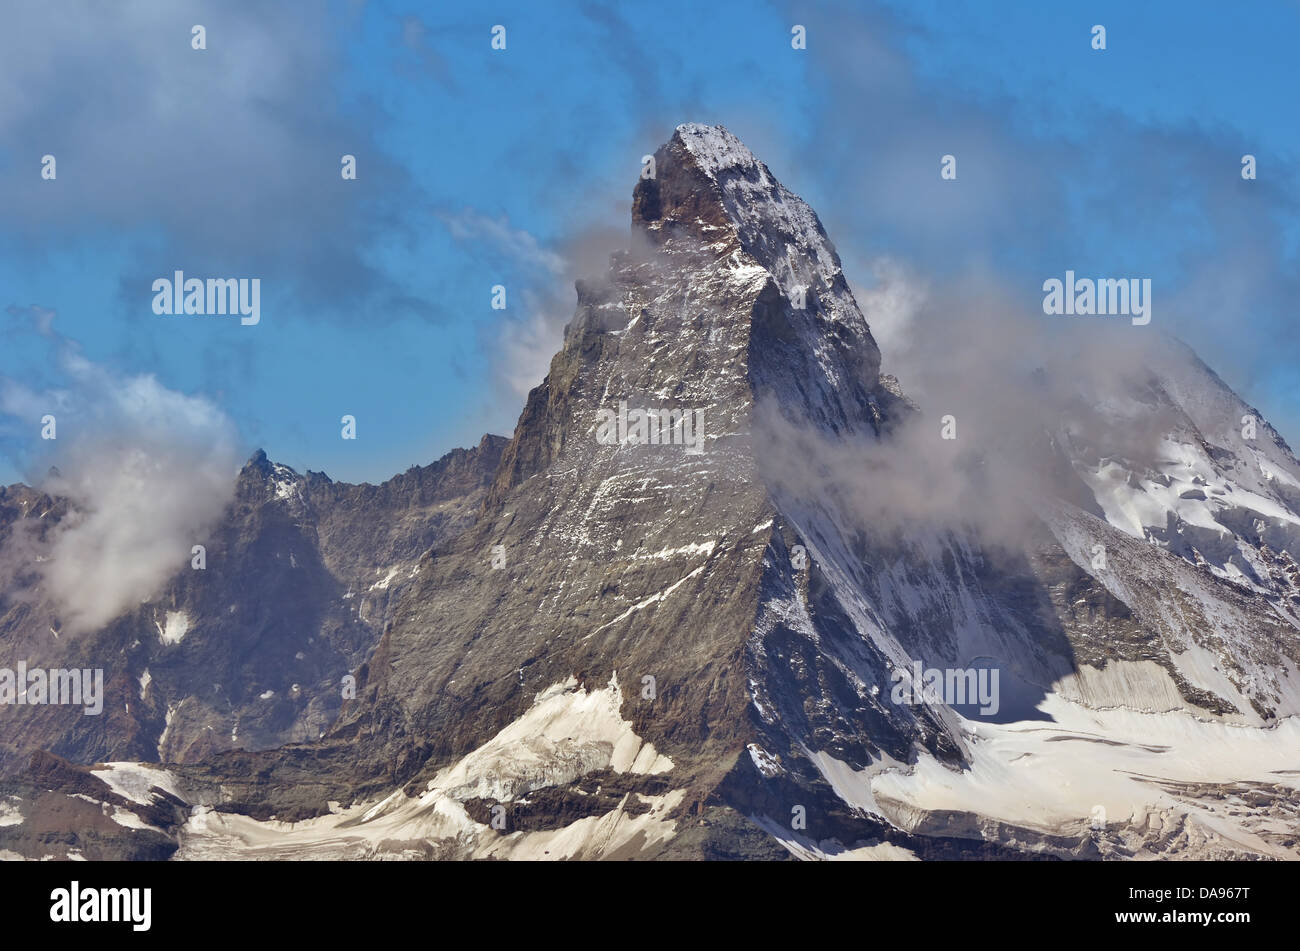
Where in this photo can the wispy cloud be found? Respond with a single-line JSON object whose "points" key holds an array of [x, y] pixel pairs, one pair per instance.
{"points": [[517, 247], [1111, 195], [146, 471]]}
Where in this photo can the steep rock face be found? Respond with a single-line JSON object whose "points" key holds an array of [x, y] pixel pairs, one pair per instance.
{"points": [[806, 329], [250, 651], [643, 561]]}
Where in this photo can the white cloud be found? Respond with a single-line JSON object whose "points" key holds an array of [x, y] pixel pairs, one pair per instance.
{"points": [[146, 471], [515, 244]]}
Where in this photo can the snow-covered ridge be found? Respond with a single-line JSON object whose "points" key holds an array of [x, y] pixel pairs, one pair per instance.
{"points": [[715, 148], [1220, 488], [712, 194], [776, 226]]}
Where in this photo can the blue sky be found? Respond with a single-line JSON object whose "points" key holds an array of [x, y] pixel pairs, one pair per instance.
{"points": [[479, 167]]}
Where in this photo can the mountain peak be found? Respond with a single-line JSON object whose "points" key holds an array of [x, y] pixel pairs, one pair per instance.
{"points": [[708, 186], [708, 195], [715, 148]]}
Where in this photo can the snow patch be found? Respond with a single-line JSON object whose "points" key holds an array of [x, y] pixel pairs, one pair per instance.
{"points": [[134, 781], [176, 627]]}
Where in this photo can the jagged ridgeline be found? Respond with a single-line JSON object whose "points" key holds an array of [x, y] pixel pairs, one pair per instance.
{"points": [[672, 616]]}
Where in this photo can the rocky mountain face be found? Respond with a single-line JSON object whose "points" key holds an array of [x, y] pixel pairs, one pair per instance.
{"points": [[248, 651], [660, 621]]}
